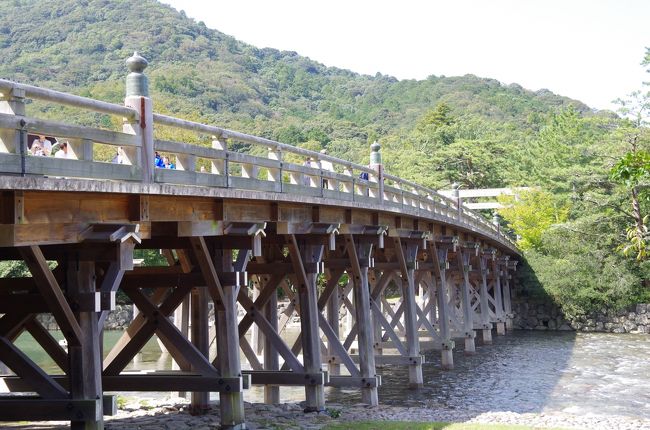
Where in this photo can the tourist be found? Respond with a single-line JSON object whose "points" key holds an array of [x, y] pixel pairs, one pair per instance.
{"points": [[63, 151], [166, 164], [158, 161], [44, 144], [119, 156], [37, 149]]}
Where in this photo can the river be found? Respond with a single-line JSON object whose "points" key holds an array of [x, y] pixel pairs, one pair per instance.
{"points": [[579, 373]]}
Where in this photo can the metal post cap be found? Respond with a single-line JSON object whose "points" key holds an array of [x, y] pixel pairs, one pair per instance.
{"points": [[137, 83], [136, 63], [375, 155]]}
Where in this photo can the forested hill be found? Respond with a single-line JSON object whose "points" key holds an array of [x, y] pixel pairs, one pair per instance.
{"points": [[199, 73]]}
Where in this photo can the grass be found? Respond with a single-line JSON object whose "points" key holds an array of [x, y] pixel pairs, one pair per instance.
{"points": [[410, 425]]}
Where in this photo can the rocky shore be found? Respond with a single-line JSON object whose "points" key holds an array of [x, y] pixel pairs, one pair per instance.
{"points": [[530, 315], [171, 414]]}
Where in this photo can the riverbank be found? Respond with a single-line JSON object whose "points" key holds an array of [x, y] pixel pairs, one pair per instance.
{"points": [[543, 315], [171, 414]]}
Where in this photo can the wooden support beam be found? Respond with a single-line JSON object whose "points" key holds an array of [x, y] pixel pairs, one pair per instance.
{"points": [[484, 298], [271, 334], [286, 378], [439, 259], [25, 368], [110, 284], [354, 381], [463, 259], [12, 325], [182, 381], [498, 298], [140, 331], [177, 344], [308, 299], [366, 339], [146, 381], [52, 294], [49, 344], [406, 254], [202, 255], [231, 404], [200, 339], [85, 371]]}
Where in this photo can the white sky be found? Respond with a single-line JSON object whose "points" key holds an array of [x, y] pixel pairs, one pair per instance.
{"points": [[587, 50]]}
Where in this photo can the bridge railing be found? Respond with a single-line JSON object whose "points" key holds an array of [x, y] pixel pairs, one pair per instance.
{"points": [[215, 165]]}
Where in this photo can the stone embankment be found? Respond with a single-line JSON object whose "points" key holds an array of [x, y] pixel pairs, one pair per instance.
{"points": [[547, 316], [171, 414]]}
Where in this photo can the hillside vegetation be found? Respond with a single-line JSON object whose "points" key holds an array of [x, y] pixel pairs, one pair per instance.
{"points": [[474, 131]]}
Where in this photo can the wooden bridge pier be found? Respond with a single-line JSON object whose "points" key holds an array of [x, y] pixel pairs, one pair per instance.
{"points": [[76, 222]]}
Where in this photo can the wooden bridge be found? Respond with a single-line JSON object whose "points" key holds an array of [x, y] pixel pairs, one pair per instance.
{"points": [[234, 229]]}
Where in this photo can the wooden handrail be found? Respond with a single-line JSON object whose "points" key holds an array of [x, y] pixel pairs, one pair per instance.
{"points": [[38, 93]]}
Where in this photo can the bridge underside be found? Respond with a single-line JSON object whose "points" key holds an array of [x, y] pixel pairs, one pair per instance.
{"points": [[403, 283]]}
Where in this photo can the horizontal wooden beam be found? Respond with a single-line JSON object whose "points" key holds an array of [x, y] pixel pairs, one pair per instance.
{"points": [[286, 377], [395, 359], [354, 381], [146, 382], [37, 409]]}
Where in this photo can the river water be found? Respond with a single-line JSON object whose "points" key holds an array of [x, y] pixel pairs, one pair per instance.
{"points": [[522, 372]]}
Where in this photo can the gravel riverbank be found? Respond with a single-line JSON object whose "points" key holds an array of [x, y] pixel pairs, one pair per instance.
{"points": [[171, 414]]}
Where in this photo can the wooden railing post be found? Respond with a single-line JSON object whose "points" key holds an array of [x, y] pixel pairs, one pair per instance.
{"points": [[12, 103], [220, 167], [378, 167], [137, 97]]}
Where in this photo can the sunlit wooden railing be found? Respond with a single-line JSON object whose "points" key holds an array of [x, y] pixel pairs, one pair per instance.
{"points": [[211, 165]]}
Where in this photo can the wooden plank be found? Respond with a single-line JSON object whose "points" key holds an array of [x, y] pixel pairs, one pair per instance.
{"points": [[68, 168], [49, 288], [65, 130]]}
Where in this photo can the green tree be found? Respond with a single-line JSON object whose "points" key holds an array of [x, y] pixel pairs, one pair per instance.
{"points": [[531, 214]]}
